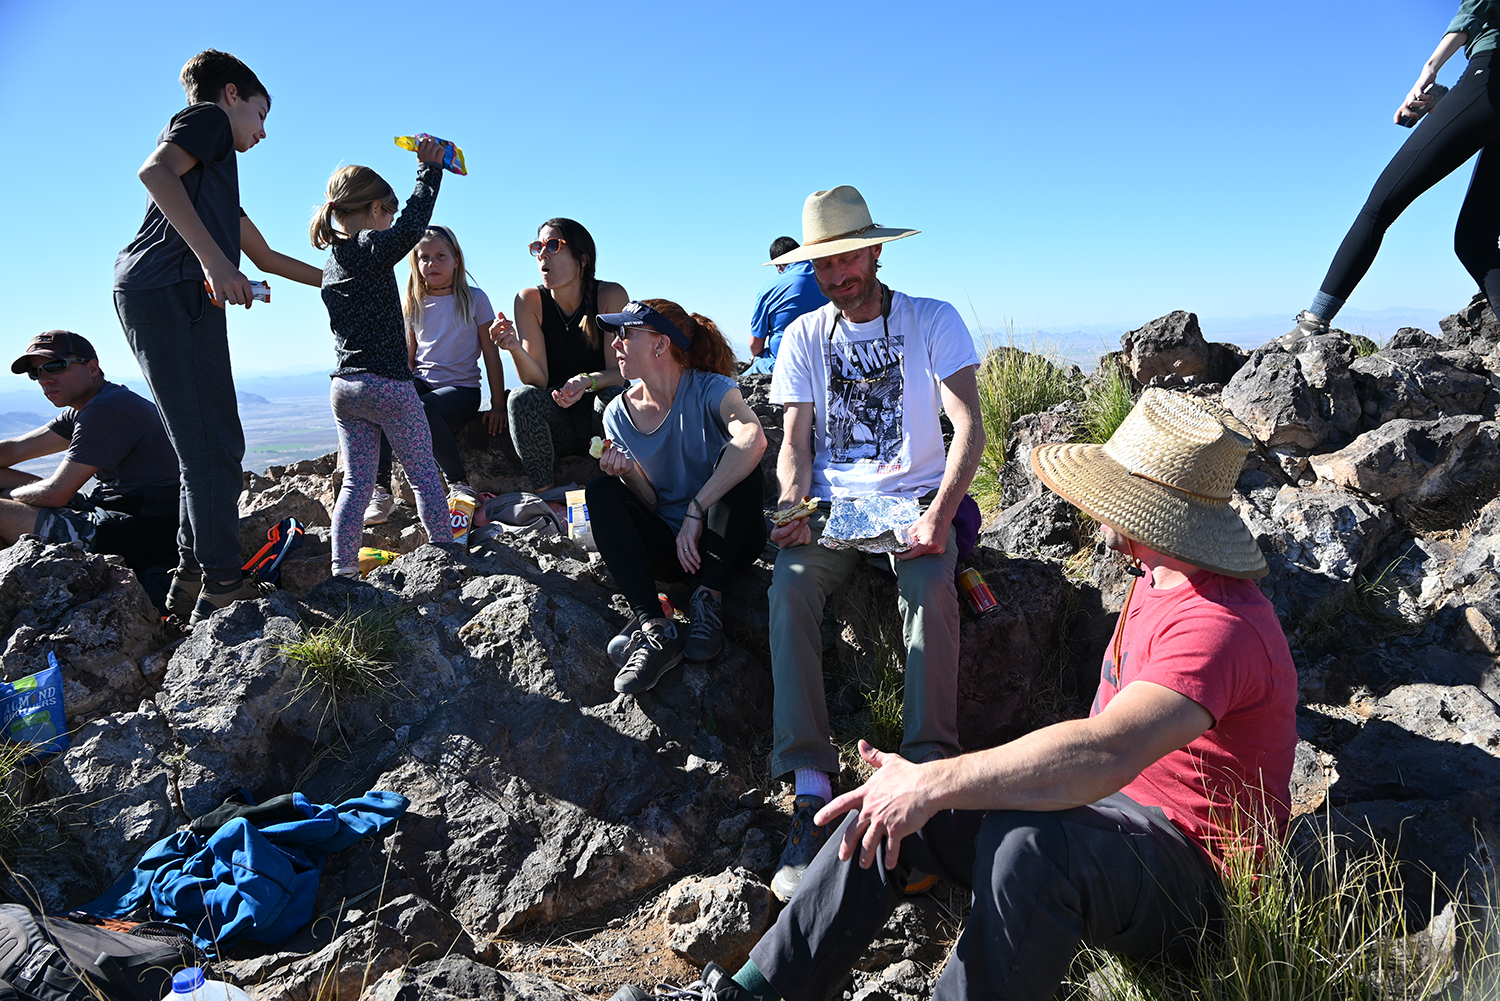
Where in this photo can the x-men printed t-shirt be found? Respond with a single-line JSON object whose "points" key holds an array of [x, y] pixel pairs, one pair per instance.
{"points": [[1215, 640], [448, 351], [874, 390]]}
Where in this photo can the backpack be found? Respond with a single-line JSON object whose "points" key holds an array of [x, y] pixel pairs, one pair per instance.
{"points": [[522, 513], [281, 539], [52, 959]]}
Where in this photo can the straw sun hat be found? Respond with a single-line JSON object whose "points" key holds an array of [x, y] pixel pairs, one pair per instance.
{"points": [[836, 222], [1164, 479]]}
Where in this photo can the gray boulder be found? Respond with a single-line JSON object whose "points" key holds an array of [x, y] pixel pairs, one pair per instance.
{"points": [[88, 610], [1418, 384], [1297, 394], [716, 918], [1474, 328], [1406, 463], [1168, 352]]}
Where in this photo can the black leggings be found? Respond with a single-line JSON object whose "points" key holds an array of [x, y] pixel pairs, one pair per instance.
{"points": [[1466, 121], [640, 548], [448, 409]]}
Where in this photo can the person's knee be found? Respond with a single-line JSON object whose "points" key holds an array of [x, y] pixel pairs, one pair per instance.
{"points": [[523, 400], [1022, 839]]}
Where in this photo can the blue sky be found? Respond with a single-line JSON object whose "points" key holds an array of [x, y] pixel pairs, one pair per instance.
{"points": [[1072, 167]]}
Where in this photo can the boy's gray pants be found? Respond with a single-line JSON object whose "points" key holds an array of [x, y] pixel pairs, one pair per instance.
{"points": [[1115, 875], [181, 340], [928, 600]]}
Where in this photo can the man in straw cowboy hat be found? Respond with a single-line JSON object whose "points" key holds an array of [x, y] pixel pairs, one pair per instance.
{"points": [[862, 380], [1107, 830]]}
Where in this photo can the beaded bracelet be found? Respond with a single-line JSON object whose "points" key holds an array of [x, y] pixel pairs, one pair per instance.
{"points": [[591, 382]]}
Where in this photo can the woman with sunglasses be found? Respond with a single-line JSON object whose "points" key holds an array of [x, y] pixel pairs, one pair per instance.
{"points": [[562, 358], [681, 492]]}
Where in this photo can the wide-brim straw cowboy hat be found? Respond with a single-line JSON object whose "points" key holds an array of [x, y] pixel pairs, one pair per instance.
{"points": [[836, 222], [1164, 479]]}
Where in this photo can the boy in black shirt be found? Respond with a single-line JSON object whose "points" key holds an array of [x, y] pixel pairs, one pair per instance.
{"points": [[192, 235]]}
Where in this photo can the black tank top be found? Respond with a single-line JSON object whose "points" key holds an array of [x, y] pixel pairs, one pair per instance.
{"points": [[568, 351]]}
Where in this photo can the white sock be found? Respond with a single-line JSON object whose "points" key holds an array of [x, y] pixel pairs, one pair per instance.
{"points": [[814, 782]]}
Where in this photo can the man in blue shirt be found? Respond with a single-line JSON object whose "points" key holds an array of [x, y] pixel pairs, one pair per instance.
{"points": [[791, 293]]}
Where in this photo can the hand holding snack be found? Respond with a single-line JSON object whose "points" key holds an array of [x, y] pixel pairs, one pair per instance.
{"points": [[613, 462], [597, 447], [503, 333], [790, 525], [449, 155]]}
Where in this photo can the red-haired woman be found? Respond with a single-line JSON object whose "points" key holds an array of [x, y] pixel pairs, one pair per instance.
{"points": [[682, 487]]}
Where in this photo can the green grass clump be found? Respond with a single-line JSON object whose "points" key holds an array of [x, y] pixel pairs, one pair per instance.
{"points": [[1333, 929], [351, 657], [1107, 402], [1013, 383]]}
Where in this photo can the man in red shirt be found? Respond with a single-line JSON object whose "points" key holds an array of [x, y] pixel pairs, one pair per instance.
{"points": [[1108, 830]]}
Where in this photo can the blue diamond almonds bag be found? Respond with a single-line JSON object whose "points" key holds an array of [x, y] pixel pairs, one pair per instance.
{"points": [[31, 711]]}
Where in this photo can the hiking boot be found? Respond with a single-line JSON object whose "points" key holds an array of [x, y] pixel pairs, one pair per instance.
{"points": [[803, 842], [379, 508], [183, 594], [655, 653], [715, 985], [208, 603], [1307, 326], [624, 641], [705, 636]]}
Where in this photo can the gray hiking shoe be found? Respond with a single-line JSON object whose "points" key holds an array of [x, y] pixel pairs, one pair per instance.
{"points": [[208, 603], [803, 842], [624, 641], [705, 637], [715, 985], [378, 511], [655, 653], [1308, 325], [183, 594]]}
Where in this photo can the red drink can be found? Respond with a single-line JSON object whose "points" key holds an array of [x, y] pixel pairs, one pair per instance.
{"points": [[976, 592]]}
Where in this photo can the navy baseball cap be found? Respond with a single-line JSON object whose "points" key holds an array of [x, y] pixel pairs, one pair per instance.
{"points": [[54, 344], [638, 314]]}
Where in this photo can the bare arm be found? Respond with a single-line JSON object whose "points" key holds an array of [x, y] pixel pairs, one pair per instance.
{"points": [[612, 299], [960, 395], [494, 419], [747, 443], [757, 345], [794, 471], [1055, 768], [57, 489], [274, 262], [162, 175], [523, 338], [31, 445], [1415, 100]]}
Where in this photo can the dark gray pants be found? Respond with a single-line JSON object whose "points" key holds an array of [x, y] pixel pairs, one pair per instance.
{"points": [[1114, 875], [181, 340]]}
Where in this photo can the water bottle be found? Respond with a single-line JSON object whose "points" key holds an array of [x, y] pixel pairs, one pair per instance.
{"points": [[190, 985]]}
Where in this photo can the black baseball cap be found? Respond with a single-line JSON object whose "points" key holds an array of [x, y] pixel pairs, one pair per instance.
{"points": [[54, 344]]}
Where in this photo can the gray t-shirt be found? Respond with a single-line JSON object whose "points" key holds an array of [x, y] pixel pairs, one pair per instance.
{"points": [[159, 256], [121, 433], [680, 456]]}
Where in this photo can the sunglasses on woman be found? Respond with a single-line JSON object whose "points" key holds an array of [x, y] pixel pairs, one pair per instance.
{"points": [[551, 246], [54, 366]]}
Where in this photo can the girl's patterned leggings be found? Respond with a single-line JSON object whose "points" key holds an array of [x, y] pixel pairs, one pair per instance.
{"points": [[365, 405]]}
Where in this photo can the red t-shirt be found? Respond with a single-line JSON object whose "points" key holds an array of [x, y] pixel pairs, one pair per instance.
{"points": [[1216, 640]]}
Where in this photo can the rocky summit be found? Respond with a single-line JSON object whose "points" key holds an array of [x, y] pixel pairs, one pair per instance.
{"points": [[562, 839]]}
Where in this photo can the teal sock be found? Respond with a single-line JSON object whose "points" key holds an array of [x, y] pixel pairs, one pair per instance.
{"points": [[755, 982]]}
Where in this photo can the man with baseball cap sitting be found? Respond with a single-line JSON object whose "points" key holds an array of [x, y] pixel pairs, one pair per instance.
{"points": [[862, 381], [108, 434], [1109, 830]]}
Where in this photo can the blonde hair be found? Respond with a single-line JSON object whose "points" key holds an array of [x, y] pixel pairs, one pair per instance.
{"points": [[416, 285], [351, 189]]}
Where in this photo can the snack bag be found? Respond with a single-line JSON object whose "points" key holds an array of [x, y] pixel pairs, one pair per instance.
{"points": [[31, 711], [579, 529], [453, 157], [370, 558]]}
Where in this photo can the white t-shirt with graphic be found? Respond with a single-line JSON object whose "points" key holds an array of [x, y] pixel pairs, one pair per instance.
{"points": [[874, 390], [447, 351]]}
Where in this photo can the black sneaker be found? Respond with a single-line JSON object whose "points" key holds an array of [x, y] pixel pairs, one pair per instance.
{"points": [[208, 602], [705, 637], [624, 641], [183, 594], [655, 653], [715, 985], [803, 842]]}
